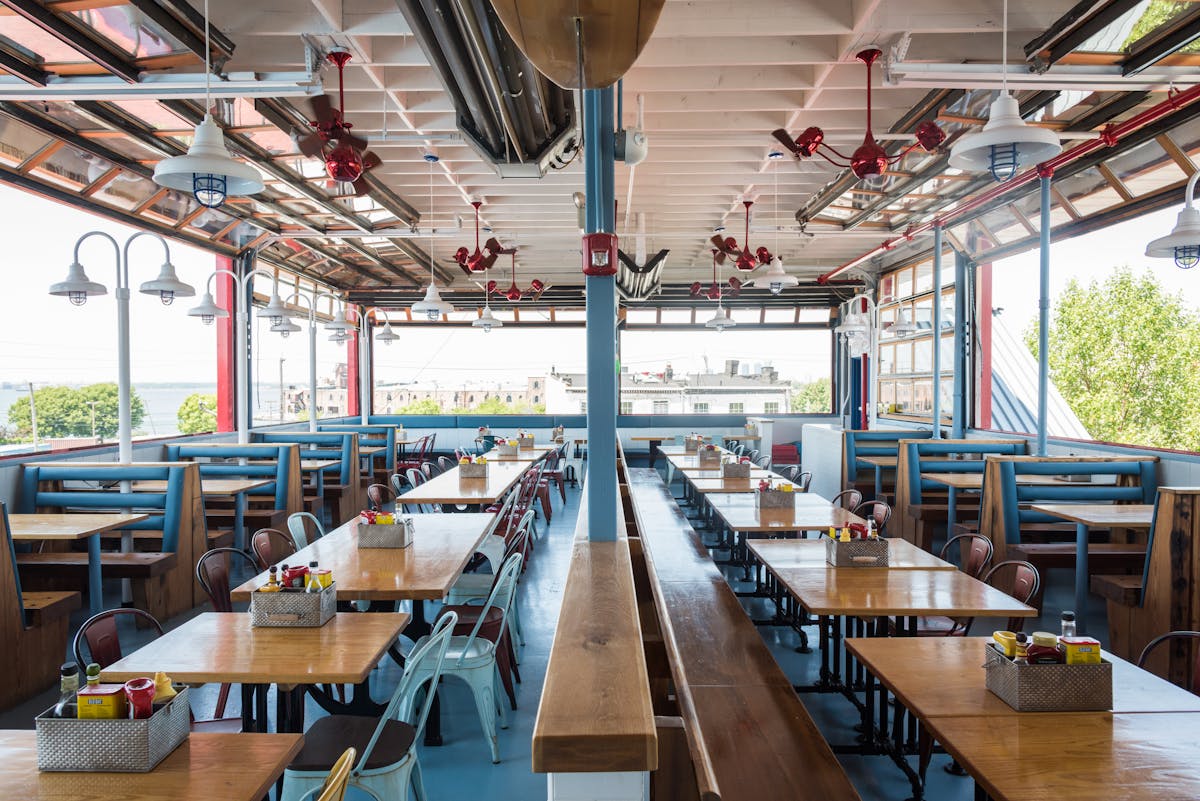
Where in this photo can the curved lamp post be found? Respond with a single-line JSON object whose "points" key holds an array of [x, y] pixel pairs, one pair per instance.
{"points": [[207, 310], [387, 336], [338, 324], [77, 287], [862, 336]]}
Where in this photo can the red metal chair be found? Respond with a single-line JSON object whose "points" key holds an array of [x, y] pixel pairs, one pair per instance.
{"points": [[553, 472], [1177, 638], [879, 510], [271, 546], [975, 553], [379, 496], [417, 458], [212, 571], [804, 480], [847, 499]]}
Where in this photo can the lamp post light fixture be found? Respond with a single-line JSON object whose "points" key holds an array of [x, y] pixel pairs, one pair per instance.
{"points": [[362, 325], [208, 311], [862, 337], [286, 326], [1183, 243], [77, 288]]}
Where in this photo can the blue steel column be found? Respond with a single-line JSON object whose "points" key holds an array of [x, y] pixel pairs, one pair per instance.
{"points": [[962, 363], [937, 331], [601, 320], [1044, 313]]}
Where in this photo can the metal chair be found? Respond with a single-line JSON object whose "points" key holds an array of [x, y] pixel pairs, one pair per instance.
{"points": [[378, 496], [846, 499], [975, 553], [389, 763], [297, 524], [103, 640], [445, 463], [271, 546], [804, 480], [334, 788], [1168, 638], [881, 511], [764, 462], [212, 571]]}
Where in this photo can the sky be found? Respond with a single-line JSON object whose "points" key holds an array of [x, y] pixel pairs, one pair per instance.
{"points": [[46, 340]]}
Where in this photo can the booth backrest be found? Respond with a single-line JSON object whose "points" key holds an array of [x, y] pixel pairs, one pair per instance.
{"points": [[947, 456], [10, 581], [321, 445], [881, 442], [377, 436], [278, 462]]}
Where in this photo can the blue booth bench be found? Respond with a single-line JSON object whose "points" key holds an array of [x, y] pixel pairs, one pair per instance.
{"points": [[864, 476], [377, 436], [167, 543], [34, 626], [344, 494]]}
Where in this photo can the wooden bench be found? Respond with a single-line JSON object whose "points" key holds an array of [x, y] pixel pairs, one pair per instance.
{"points": [[730, 725], [382, 436], [921, 505], [1019, 532], [860, 475], [166, 545], [34, 626]]}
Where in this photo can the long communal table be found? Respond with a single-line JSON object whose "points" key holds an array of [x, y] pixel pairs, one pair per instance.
{"points": [[451, 488]]}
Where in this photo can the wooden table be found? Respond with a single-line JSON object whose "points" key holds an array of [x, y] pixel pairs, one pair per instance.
{"points": [[451, 488], [880, 463], [222, 647], [1137, 516], [235, 488], [655, 442], [789, 554], [973, 482], [229, 767], [706, 485], [740, 513], [34, 527]]}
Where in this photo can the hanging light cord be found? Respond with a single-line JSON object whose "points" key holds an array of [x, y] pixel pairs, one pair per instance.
{"points": [[207, 65], [1003, 51], [775, 209], [431, 222]]}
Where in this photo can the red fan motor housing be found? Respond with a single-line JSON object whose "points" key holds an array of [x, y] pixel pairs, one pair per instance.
{"points": [[344, 164]]}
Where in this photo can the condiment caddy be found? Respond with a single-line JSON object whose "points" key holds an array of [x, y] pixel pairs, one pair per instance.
{"points": [[1049, 673], [384, 530], [507, 447], [856, 545], [736, 469], [709, 454], [294, 597], [775, 496], [472, 467], [524, 440]]}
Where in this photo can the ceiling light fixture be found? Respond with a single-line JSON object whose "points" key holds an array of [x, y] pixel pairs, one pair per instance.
{"points": [[1183, 243], [285, 327], [776, 279], [870, 160], [432, 306], [1007, 143], [487, 321], [207, 170]]}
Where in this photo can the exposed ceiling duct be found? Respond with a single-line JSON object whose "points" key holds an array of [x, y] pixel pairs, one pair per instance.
{"points": [[516, 119]]}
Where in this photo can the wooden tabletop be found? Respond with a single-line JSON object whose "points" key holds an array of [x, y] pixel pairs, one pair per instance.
{"points": [[425, 570], [876, 591], [67, 526], [314, 465], [371, 450], [879, 461], [935, 676], [1050, 756], [718, 484], [450, 487], [231, 767], [974, 481], [210, 486], [741, 437], [1101, 515], [811, 513], [224, 647], [692, 473], [789, 554]]}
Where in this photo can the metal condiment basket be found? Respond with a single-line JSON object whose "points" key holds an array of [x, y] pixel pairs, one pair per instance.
{"points": [[775, 499], [857, 553], [119, 745], [735, 470], [1049, 688], [294, 609], [383, 535], [472, 470]]}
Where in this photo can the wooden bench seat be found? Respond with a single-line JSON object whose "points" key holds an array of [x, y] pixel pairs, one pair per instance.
{"points": [[1125, 590], [254, 519], [74, 565], [1102, 556], [42, 607]]}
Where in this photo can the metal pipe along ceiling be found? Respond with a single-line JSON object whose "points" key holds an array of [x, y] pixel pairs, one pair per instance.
{"points": [[504, 105]]}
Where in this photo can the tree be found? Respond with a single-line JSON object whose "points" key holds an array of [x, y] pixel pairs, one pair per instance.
{"points": [[197, 414], [1123, 353], [815, 397], [64, 411], [494, 405], [423, 406], [1158, 13]]}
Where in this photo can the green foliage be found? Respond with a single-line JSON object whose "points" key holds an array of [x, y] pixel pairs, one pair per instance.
{"points": [[1123, 353], [197, 414], [64, 411], [815, 397], [423, 406], [1159, 12], [497, 406]]}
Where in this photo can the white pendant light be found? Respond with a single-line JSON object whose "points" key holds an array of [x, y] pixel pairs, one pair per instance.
{"points": [[775, 279], [720, 319], [339, 336], [487, 321], [1007, 143], [432, 306], [903, 325], [207, 310], [167, 286], [285, 327], [274, 312], [77, 287], [1183, 243], [339, 323], [854, 324], [387, 336], [207, 171]]}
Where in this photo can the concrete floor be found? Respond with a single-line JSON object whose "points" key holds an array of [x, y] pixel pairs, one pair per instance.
{"points": [[460, 770]]}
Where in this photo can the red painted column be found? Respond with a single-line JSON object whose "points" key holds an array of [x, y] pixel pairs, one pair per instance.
{"points": [[352, 373], [226, 366]]}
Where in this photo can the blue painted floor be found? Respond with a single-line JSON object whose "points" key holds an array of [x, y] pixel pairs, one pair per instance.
{"points": [[461, 770]]}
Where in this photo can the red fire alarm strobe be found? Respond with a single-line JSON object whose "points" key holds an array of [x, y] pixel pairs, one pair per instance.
{"points": [[600, 254]]}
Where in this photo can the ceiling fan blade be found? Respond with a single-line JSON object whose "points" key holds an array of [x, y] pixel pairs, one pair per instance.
{"points": [[461, 255], [370, 160], [718, 243], [312, 145], [488, 260], [322, 109], [356, 142], [735, 283], [784, 139], [361, 186], [696, 290]]}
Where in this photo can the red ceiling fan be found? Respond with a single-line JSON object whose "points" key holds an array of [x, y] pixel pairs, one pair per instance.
{"points": [[744, 260], [346, 156], [515, 293], [870, 159], [715, 291], [479, 261]]}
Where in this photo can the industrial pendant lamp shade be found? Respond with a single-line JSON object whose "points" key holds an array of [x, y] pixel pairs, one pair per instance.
{"points": [[207, 310], [775, 279], [77, 287], [387, 336], [339, 336], [1183, 243], [207, 171], [274, 312], [487, 321], [432, 306], [720, 320], [855, 324], [285, 327], [338, 323], [903, 325], [1006, 144], [167, 286]]}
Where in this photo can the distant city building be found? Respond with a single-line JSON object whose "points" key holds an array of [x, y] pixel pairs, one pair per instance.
{"points": [[390, 398], [741, 388]]}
